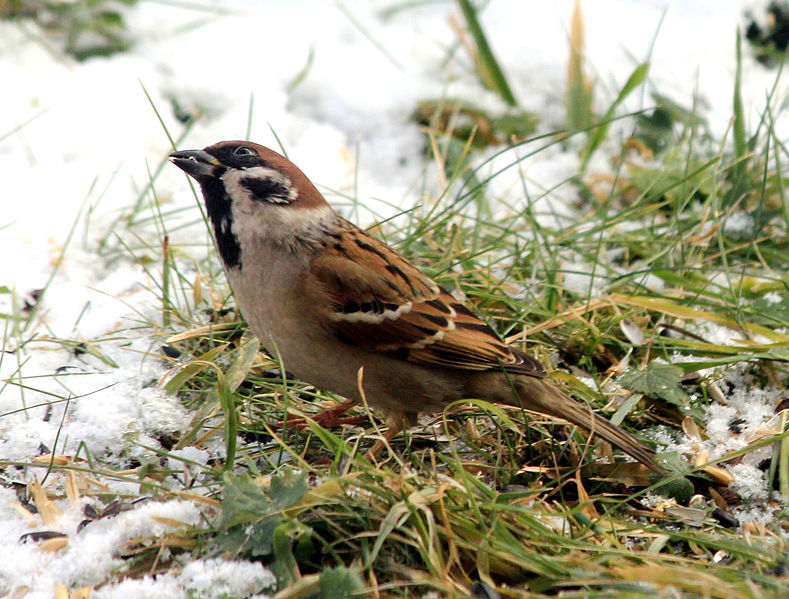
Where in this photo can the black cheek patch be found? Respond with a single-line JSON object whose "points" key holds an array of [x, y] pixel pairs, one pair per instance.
{"points": [[218, 206], [266, 189]]}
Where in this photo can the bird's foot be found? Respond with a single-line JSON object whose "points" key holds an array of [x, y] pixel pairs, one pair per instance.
{"points": [[328, 418], [394, 423]]}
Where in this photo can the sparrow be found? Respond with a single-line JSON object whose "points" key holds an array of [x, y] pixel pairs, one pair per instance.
{"points": [[348, 314]]}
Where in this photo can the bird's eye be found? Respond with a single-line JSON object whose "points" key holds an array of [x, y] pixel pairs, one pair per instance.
{"points": [[243, 151]]}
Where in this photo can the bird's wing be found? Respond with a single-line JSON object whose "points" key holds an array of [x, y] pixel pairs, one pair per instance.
{"points": [[381, 302]]}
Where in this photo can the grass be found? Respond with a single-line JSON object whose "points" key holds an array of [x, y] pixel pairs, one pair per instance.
{"points": [[482, 497], [82, 29]]}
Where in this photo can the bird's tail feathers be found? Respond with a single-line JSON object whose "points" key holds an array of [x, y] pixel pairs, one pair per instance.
{"points": [[540, 396]]}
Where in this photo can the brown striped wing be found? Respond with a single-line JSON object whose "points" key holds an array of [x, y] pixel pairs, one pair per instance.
{"points": [[381, 302]]}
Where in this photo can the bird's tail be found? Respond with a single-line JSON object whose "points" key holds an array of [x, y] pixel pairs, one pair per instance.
{"points": [[540, 396]]}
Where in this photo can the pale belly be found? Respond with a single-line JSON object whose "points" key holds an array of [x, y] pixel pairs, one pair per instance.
{"points": [[314, 355]]}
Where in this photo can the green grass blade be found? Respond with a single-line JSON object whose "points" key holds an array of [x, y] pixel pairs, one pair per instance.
{"points": [[490, 72], [635, 80]]}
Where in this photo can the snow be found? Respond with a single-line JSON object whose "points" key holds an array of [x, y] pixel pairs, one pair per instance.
{"points": [[90, 554], [81, 138]]}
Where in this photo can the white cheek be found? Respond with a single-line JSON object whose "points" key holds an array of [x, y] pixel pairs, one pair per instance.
{"points": [[232, 180], [284, 223], [304, 219]]}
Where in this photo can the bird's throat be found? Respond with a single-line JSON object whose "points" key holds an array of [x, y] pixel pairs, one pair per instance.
{"points": [[220, 211]]}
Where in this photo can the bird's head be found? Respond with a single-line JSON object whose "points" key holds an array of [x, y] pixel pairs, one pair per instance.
{"points": [[253, 193], [248, 169]]}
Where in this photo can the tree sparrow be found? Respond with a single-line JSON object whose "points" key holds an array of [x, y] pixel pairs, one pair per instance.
{"points": [[331, 300]]}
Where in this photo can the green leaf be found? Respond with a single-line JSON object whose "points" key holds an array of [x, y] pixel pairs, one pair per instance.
{"points": [[244, 501], [285, 564], [680, 489], [287, 488], [253, 519], [676, 486], [254, 540], [340, 583], [657, 380]]}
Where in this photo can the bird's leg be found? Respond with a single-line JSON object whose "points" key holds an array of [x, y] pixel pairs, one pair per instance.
{"points": [[330, 417], [395, 423]]}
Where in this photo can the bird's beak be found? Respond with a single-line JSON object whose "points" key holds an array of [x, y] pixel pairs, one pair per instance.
{"points": [[197, 163]]}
